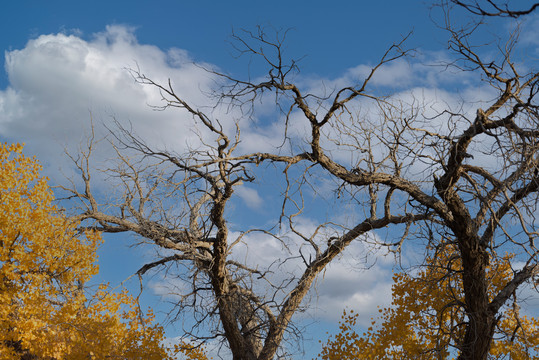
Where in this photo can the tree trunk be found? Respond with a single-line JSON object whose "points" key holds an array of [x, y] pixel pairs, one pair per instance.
{"points": [[481, 321], [478, 336]]}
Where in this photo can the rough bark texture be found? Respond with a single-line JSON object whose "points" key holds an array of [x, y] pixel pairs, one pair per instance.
{"points": [[457, 196]]}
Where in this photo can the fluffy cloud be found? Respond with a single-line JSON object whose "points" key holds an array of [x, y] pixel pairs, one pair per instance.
{"points": [[250, 196], [59, 82], [360, 278], [349, 283]]}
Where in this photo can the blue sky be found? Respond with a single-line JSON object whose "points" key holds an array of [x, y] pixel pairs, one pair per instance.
{"points": [[333, 36], [47, 97]]}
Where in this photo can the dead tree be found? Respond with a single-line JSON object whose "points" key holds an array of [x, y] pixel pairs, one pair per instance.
{"points": [[496, 8], [478, 184]]}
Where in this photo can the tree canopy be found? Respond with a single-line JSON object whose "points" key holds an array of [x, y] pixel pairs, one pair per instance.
{"points": [[46, 312], [421, 322]]}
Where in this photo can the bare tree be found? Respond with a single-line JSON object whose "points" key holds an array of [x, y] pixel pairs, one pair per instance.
{"points": [[477, 185], [494, 8]]}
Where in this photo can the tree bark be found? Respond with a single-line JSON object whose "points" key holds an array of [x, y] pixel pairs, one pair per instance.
{"points": [[481, 321]]}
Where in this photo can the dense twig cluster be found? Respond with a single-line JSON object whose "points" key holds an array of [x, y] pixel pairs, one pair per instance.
{"points": [[478, 187]]}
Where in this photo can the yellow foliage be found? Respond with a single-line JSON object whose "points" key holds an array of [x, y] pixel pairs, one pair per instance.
{"points": [[190, 352], [44, 264], [424, 320]]}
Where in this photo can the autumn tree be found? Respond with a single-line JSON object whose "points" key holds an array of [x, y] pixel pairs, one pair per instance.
{"points": [[427, 171], [45, 263], [421, 322]]}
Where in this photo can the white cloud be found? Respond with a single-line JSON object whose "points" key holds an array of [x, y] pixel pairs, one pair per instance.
{"points": [[57, 80], [250, 196], [351, 284], [360, 278], [529, 27], [395, 74]]}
